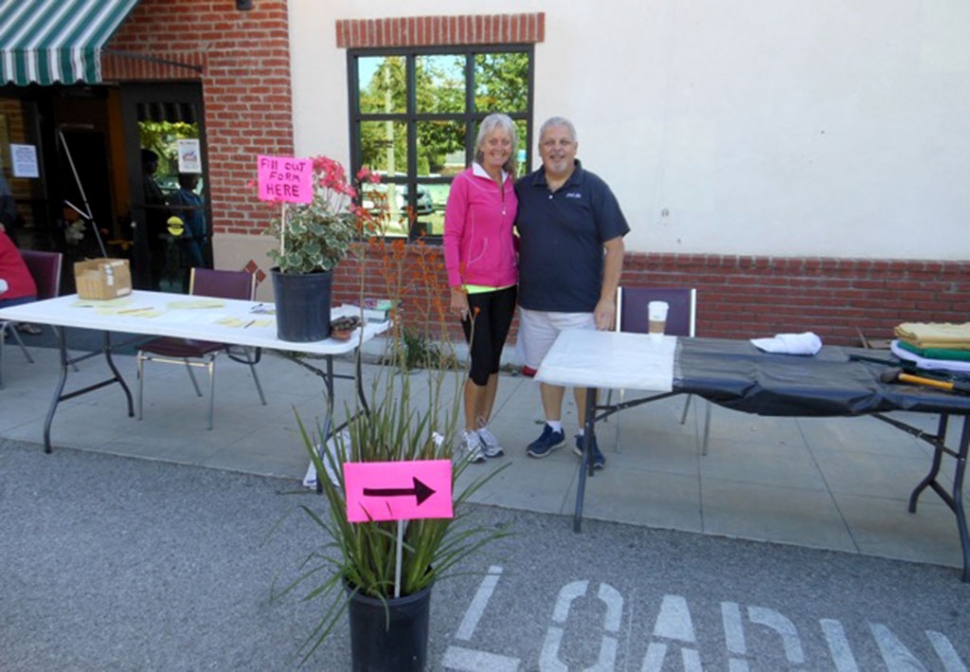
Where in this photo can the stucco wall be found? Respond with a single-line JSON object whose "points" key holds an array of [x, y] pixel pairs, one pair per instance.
{"points": [[828, 129]]}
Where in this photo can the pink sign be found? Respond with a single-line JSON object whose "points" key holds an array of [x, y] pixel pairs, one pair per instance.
{"points": [[398, 490], [285, 180]]}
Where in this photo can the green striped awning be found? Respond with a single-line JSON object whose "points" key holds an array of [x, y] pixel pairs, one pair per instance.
{"points": [[50, 41]]}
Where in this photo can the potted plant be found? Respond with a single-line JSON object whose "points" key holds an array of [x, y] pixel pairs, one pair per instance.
{"points": [[363, 568], [313, 238]]}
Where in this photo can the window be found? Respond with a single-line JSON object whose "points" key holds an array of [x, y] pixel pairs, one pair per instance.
{"points": [[415, 114]]}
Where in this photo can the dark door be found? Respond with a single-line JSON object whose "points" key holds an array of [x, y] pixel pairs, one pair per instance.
{"points": [[156, 118]]}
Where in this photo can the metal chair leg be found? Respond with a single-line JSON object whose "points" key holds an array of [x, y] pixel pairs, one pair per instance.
{"points": [[141, 381], [259, 387], [12, 330], [707, 427], [211, 366], [619, 418], [683, 417], [195, 384]]}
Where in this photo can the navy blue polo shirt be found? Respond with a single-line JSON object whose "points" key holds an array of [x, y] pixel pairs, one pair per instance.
{"points": [[562, 235]]}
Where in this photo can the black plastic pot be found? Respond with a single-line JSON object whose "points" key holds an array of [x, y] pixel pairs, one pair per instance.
{"points": [[302, 305], [390, 635]]}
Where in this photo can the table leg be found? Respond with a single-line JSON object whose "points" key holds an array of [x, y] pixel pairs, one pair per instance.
{"points": [[586, 466], [953, 498], [957, 505], [117, 374], [62, 379], [66, 362]]}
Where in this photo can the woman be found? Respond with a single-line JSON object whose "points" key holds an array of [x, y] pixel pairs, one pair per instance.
{"points": [[482, 271]]}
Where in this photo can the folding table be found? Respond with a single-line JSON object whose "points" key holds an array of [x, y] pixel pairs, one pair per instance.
{"points": [[734, 374], [243, 323]]}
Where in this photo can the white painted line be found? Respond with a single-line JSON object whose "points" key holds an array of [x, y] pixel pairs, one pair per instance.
{"points": [[477, 608], [673, 621], [567, 594], [467, 660], [607, 659], [738, 665], [692, 660], [894, 653], [733, 632], [654, 660], [549, 656], [838, 646], [785, 628], [944, 649], [614, 607]]}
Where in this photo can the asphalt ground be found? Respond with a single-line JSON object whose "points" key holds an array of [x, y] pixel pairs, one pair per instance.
{"points": [[115, 563]]}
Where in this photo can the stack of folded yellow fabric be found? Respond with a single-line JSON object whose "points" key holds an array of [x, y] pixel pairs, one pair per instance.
{"points": [[920, 336]]}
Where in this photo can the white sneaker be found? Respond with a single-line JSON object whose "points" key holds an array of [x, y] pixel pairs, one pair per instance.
{"points": [[490, 447], [471, 446]]}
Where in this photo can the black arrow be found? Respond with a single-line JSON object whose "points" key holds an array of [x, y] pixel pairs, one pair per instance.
{"points": [[420, 491]]}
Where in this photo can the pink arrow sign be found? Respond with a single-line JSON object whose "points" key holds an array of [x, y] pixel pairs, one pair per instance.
{"points": [[398, 490]]}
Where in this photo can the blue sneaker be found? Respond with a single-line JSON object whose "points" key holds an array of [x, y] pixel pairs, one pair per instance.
{"points": [[547, 442], [599, 461]]}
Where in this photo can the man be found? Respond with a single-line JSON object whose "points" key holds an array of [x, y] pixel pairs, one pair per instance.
{"points": [[187, 205], [567, 218], [156, 216]]}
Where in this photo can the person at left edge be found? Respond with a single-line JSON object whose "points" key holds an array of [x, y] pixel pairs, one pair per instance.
{"points": [[480, 259], [17, 285]]}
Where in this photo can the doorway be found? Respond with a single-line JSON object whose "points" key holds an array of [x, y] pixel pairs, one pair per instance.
{"points": [[166, 157]]}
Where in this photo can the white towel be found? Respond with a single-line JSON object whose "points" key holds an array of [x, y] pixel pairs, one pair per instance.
{"points": [[790, 344]]}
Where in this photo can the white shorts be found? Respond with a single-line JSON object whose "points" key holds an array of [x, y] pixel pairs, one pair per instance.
{"points": [[538, 331]]}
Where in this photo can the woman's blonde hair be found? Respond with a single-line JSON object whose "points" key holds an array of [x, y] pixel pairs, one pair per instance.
{"points": [[503, 122]]}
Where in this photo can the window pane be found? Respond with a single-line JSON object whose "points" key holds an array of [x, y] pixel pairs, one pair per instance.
{"points": [[381, 84], [383, 146], [436, 141], [440, 84], [388, 201], [502, 82], [521, 168], [434, 223]]}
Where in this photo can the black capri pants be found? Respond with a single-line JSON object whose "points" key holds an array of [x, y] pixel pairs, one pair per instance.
{"points": [[492, 312]]}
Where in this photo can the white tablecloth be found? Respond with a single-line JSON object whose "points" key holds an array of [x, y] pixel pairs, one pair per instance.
{"points": [[609, 359]]}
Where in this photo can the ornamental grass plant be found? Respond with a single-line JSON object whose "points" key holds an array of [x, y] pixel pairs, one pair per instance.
{"points": [[413, 416]]}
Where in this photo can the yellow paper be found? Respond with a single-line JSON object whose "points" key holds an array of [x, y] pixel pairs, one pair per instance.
{"points": [[106, 304], [196, 304]]}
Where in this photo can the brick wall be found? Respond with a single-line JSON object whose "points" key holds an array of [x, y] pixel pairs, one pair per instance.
{"points": [[245, 78], [438, 30], [746, 297]]}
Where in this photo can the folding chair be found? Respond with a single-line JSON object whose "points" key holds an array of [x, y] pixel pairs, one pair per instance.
{"points": [[192, 353], [631, 316], [45, 267]]}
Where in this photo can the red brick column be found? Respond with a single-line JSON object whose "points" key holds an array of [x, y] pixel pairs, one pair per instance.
{"points": [[245, 60]]}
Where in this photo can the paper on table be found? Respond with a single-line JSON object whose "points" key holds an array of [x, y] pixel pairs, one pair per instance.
{"points": [[146, 311], [107, 303], [196, 304], [235, 322]]}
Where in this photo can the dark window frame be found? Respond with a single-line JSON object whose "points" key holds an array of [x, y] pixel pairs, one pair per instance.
{"points": [[410, 117]]}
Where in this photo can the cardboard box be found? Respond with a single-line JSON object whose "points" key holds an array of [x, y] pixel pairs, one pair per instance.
{"points": [[102, 278]]}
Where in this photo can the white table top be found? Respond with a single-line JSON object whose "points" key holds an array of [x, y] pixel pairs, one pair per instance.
{"points": [[181, 316], [610, 359]]}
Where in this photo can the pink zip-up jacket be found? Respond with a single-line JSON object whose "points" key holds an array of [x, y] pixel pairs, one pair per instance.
{"points": [[478, 238]]}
